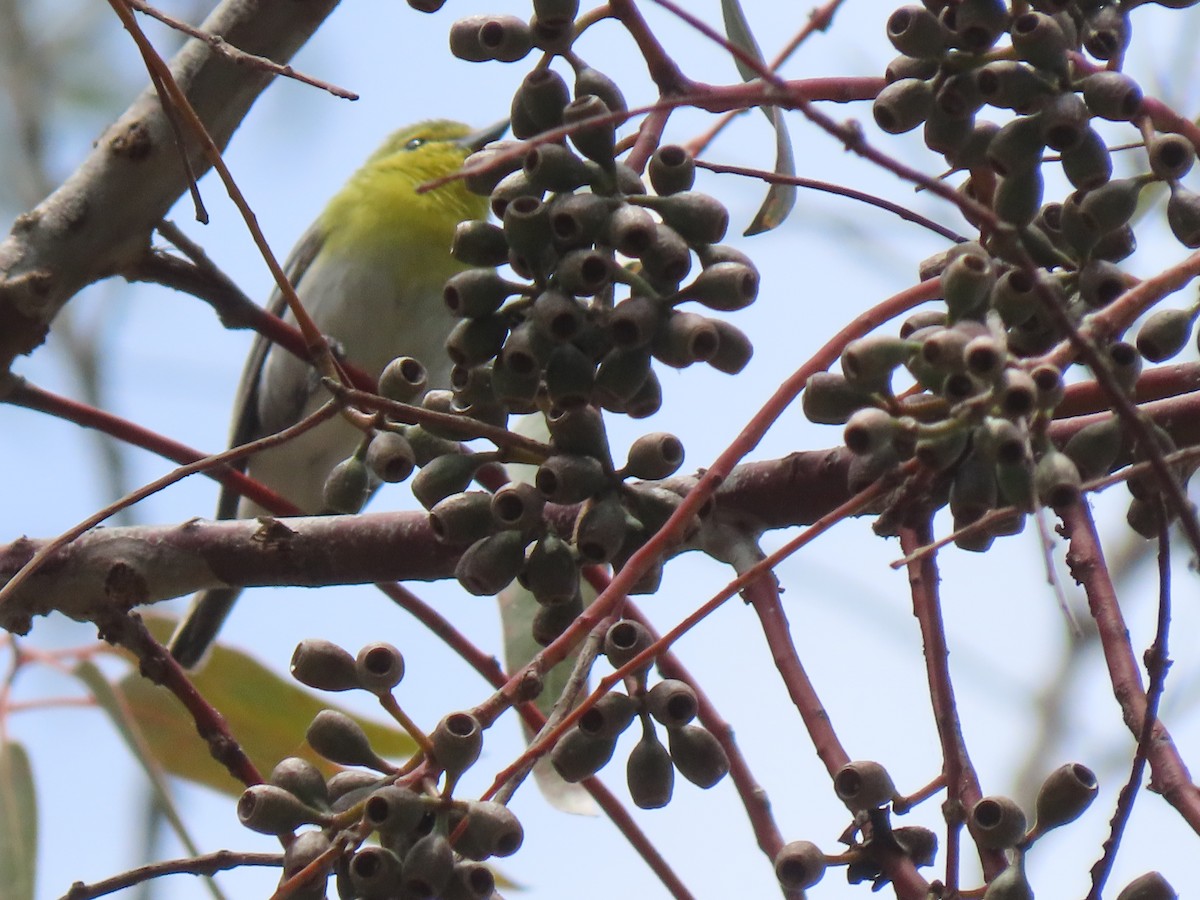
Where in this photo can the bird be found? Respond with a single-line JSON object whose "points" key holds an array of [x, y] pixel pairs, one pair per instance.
{"points": [[370, 272]]}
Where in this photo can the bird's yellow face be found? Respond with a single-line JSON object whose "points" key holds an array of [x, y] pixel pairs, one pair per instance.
{"points": [[380, 209]]}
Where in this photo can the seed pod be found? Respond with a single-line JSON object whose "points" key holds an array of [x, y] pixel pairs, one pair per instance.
{"points": [[1112, 95], [911, 67], [490, 564], [1016, 393], [477, 292], [579, 755], [1014, 296], [542, 96], [631, 230], [1008, 84], [609, 716], [971, 153], [830, 399], [649, 771], [1125, 364], [390, 457], [323, 665], [1063, 121], [624, 640], [301, 778], [550, 621], [1111, 205], [1094, 448], [380, 667], [1064, 796], [269, 809], [600, 530], [349, 786], [958, 97], [698, 756], [570, 376], [427, 867], [375, 873], [1183, 216], [671, 169], [492, 830], [517, 505], [667, 259], [395, 809], [1019, 197], [684, 338], [734, 349], [869, 430], [620, 375], [483, 38], [863, 785], [1050, 388], [443, 476], [578, 220], [457, 741], [462, 519], [307, 846], [915, 31], [552, 167], [1165, 333], [942, 449], [654, 456], [947, 135], [1056, 479], [1017, 146], [403, 379], [347, 487], [1171, 156], [723, 286], [551, 573], [1011, 884], [1088, 164], [1100, 283], [984, 356], [902, 105], [470, 881], [595, 141], [566, 478], [1151, 886], [868, 362], [592, 81], [978, 24], [1039, 40], [552, 36], [997, 823], [799, 865], [672, 702], [584, 272], [341, 740], [973, 491], [1106, 31]]}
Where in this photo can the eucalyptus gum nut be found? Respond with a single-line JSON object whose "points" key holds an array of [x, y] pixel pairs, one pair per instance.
{"points": [[1015, 481], [551, 572], [866, 470], [1056, 479], [698, 756], [1002, 440], [1064, 119], [568, 478], [799, 865], [1151, 886], [579, 430], [351, 782], [600, 530], [511, 187], [482, 38], [1018, 197], [1016, 393], [1112, 95], [403, 379], [347, 487], [477, 292], [869, 430], [978, 24], [654, 456], [997, 823], [621, 373], [940, 451], [473, 342], [489, 166], [685, 338], [375, 873], [1064, 796], [597, 140], [579, 755], [525, 350], [667, 259], [584, 272], [552, 167], [946, 135], [985, 356], [631, 230], [1171, 156], [649, 772], [609, 716], [1039, 40], [1111, 205], [1117, 245], [543, 94], [457, 741], [902, 105], [957, 97], [1125, 364], [944, 347], [972, 152], [442, 477], [269, 809], [306, 847], [904, 66], [1183, 216], [578, 220], [1016, 147], [341, 740], [470, 881], [624, 640], [1165, 333], [517, 505], [863, 785], [672, 702], [923, 319], [1088, 164], [323, 666], [915, 31], [490, 564], [392, 808], [973, 491], [569, 377], [527, 229], [589, 80], [1095, 447], [557, 315], [477, 243], [723, 286], [1011, 884], [427, 866], [491, 830], [1014, 296], [1106, 32], [302, 779], [648, 398], [868, 362], [734, 349], [462, 518], [550, 621], [671, 169], [1009, 84]]}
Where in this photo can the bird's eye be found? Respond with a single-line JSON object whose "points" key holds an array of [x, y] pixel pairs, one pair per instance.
{"points": [[415, 143]]}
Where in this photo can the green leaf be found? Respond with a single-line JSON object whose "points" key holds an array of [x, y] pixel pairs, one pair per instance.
{"points": [[781, 198], [267, 713], [18, 823]]}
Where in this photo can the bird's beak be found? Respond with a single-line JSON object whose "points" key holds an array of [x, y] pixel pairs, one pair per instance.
{"points": [[476, 140]]}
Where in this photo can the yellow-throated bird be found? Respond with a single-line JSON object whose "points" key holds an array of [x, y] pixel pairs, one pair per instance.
{"points": [[370, 272]]}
